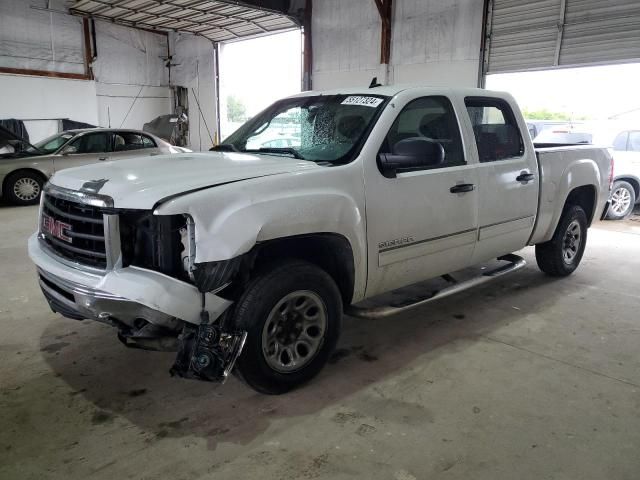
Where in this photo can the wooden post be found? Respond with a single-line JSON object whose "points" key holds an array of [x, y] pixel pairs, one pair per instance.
{"points": [[385, 11], [307, 61]]}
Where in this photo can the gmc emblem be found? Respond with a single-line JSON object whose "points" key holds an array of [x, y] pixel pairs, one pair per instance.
{"points": [[56, 228]]}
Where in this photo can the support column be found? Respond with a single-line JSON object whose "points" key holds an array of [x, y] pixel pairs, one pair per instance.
{"points": [[386, 12]]}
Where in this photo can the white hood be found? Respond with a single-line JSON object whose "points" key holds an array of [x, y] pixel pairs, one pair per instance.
{"points": [[140, 183]]}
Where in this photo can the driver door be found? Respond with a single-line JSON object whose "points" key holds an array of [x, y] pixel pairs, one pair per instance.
{"points": [[421, 224]]}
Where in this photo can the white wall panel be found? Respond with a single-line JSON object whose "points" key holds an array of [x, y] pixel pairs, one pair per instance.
{"points": [[40, 40], [195, 70], [47, 98], [433, 42], [436, 31], [130, 56], [346, 42], [131, 106]]}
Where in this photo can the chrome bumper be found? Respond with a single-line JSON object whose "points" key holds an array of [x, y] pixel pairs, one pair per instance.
{"points": [[123, 294]]}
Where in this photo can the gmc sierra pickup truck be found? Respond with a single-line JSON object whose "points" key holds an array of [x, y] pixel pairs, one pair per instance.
{"points": [[246, 259]]}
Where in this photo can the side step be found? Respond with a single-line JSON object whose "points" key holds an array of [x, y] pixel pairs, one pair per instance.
{"points": [[514, 263]]}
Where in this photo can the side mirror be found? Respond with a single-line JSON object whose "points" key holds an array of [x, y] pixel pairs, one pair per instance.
{"points": [[69, 150], [411, 153]]}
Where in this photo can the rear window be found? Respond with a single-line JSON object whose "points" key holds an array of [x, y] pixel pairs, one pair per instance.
{"points": [[495, 128]]}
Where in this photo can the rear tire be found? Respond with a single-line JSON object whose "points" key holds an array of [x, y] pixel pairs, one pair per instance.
{"points": [[23, 187], [623, 200], [560, 256], [293, 315]]}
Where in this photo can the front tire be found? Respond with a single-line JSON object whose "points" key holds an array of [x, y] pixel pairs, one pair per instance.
{"points": [[23, 188], [560, 256], [623, 199], [293, 315]]}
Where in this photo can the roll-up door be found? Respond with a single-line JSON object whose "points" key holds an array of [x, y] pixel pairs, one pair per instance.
{"points": [[529, 35]]}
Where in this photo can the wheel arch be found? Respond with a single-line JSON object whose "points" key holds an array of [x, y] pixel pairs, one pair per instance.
{"points": [[585, 197], [331, 252]]}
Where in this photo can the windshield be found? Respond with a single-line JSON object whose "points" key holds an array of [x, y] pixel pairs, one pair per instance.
{"points": [[54, 142], [323, 128]]}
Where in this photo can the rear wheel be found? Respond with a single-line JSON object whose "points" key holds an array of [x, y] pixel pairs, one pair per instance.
{"points": [[23, 188], [292, 314], [561, 255], [623, 199]]}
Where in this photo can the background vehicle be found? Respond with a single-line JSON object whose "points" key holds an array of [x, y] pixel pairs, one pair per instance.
{"points": [[24, 168], [282, 142], [255, 255], [536, 127], [626, 189], [564, 136]]}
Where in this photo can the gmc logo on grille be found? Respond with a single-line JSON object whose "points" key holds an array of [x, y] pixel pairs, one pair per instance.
{"points": [[56, 228]]}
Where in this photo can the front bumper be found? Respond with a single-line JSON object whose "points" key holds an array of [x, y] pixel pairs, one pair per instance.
{"points": [[121, 295]]}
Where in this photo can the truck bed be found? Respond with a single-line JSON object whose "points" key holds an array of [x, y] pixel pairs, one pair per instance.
{"points": [[561, 168]]}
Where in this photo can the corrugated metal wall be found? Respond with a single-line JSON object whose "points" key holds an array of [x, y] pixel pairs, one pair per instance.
{"points": [[528, 35]]}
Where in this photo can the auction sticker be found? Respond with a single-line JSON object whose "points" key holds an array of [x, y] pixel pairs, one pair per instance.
{"points": [[363, 101]]}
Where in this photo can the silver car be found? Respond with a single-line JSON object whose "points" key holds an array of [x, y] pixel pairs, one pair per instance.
{"points": [[25, 168]]}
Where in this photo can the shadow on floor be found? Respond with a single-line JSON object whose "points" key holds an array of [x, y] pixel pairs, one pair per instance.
{"points": [[135, 384]]}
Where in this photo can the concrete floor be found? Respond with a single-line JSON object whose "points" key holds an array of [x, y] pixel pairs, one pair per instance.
{"points": [[526, 378]]}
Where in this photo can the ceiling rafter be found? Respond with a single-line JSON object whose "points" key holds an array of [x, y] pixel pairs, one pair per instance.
{"points": [[217, 20]]}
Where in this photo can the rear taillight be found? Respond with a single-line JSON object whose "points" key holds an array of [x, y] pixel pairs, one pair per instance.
{"points": [[611, 173]]}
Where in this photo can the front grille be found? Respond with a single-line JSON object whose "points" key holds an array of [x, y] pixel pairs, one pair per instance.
{"points": [[74, 230]]}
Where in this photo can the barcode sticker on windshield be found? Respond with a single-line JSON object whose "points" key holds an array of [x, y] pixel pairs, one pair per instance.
{"points": [[363, 101]]}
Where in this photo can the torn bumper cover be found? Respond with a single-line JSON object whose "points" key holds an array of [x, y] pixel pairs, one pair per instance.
{"points": [[151, 310]]}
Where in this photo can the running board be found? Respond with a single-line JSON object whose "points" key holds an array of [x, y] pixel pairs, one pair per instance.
{"points": [[514, 263]]}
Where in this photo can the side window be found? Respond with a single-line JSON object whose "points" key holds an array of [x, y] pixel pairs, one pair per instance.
{"points": [[148, 142], [428, 118], [620, 143], [125, 141], [495, 128], [92, 143], [634, 141]]}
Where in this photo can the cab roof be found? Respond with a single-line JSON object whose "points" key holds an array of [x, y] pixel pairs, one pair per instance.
{"points": [[392, 90]]}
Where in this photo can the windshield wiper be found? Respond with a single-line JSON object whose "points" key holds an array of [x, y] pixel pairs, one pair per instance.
{"points": [[224, 147], [291, 151]]}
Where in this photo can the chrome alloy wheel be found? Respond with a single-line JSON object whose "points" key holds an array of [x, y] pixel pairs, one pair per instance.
{"points": [[294, 331], [620, 201], [26, 189], [571, 242]]}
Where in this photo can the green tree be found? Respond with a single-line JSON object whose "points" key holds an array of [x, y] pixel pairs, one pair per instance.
{"points": [[236, 111], [545, 114]]}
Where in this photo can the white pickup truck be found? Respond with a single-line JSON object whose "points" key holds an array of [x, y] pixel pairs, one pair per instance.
{"points": [[255, 254]]}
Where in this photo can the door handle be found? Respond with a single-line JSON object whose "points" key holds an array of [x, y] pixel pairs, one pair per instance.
{"points": [[463, 188], [525, 177], [102, 159]]}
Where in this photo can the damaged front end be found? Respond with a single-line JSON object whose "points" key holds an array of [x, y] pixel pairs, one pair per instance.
{"points": [[135, 271]]}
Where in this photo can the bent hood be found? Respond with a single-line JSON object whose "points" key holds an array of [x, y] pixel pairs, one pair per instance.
{"points": [[140, 183]]}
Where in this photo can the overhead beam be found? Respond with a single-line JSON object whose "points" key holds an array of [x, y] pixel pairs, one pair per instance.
{"points": [[561, 25], [44, 73]]}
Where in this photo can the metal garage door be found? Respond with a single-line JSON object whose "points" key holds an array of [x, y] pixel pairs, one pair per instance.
{"points": [[540, 34]]}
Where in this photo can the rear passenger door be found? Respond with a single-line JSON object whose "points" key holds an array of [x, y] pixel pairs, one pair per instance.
{"points": [[132, 144], [507, 175]]}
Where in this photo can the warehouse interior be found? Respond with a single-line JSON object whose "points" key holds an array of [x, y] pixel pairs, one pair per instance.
{"points": [[526, 376]]}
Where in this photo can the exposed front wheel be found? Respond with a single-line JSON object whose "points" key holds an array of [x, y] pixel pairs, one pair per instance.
{"points": [[623, 199], [23, 188], [293, 315], [561, 255]]}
